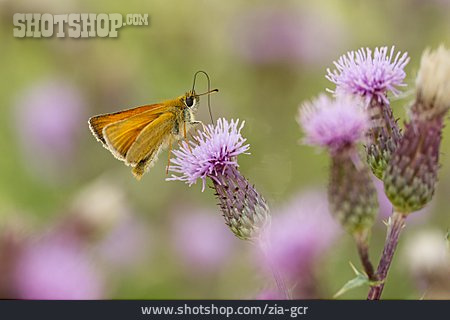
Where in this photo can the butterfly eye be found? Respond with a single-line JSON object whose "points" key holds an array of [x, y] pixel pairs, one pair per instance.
{"points": [[189, 101]]}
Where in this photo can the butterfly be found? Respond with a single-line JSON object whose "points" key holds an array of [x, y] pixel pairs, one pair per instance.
{"points": [[136, 136]]}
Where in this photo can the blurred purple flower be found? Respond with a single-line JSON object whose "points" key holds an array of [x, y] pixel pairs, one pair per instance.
{"points": [[294, 242], [200, 239], [56, 268], [333, 123], [211, 152], [367, 75], [126, 244], [49, 117], [272, 35]]}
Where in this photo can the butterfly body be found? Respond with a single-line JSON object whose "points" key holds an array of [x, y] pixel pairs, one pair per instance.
{"points": [[136, 136]]}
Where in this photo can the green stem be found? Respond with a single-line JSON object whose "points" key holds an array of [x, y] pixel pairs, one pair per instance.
{"points": [[362, 244], [395, 226]]}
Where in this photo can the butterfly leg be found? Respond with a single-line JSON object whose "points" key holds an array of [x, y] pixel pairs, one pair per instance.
{"points": [[170, 151], [199, 122], [185, 136]]}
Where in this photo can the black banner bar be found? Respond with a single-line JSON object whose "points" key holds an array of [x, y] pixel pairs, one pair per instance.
{"points": [[224, 309]]}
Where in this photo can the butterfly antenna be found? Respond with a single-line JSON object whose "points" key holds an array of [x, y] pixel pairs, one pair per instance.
{"points": [[209, 91]]}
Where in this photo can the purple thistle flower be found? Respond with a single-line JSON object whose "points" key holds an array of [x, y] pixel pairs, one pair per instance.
{"points": [[367, 75], [333, 123], [279, 35], [48, 116], [213, 151], [371, 76], [56, 269], [205, 251], [212, 155], [126, 245], [294, 243], [339, 124]]}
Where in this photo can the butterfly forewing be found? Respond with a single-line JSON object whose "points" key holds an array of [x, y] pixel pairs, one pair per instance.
{"points": [[98, 123], [120, 136]]}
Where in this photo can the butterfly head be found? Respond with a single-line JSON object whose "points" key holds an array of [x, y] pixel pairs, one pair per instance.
{"points": [[190, 99]]}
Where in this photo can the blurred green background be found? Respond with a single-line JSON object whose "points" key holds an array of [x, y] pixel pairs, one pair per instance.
{"points": [[266, 57]]}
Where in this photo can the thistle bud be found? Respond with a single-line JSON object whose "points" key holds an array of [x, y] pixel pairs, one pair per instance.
{"points": [[411, 175], [213, 154], [433, 85], [383, 137], [245, 211], [351, 193]]}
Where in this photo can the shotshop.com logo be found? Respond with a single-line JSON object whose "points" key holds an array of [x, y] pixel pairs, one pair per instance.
{"points": [[74, 25]]}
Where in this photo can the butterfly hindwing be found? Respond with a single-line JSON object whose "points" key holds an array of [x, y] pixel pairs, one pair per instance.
{"points": [[143, 153]]}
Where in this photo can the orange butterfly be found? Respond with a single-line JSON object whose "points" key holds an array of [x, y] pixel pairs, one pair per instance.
{"points": [[136, 136]]}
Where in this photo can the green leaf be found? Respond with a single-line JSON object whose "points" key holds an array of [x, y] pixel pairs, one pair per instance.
{"points": [[360, 280]]}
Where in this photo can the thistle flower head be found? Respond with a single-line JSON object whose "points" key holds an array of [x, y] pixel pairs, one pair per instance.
{"points": [[433, 83], [211, 152], [333, 123], [369, 75]]}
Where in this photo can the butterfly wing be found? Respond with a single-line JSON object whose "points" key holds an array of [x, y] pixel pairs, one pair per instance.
{"points": [[98, 123], [145, 149], [119, 136]]}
